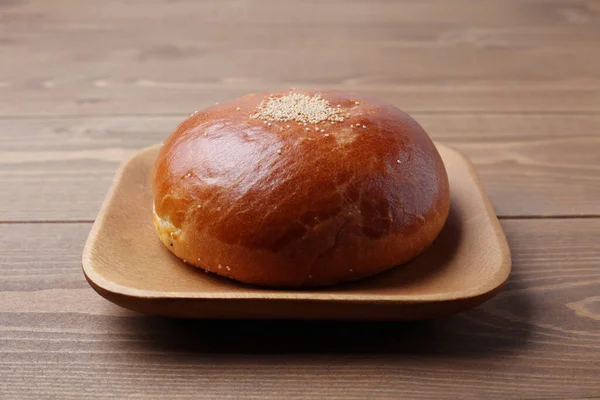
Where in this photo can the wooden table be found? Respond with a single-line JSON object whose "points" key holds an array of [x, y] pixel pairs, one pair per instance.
{"points": [[515, 84]]}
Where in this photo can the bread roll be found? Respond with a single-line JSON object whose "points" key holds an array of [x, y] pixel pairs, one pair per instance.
{"points": [[299, 188]]}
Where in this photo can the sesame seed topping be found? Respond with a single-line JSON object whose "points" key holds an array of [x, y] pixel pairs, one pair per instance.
{"points": [[326, 135], [398, 161], [356, 102], [316, 129], [287, 126], [278, 151], [228, 268], [220, 266], [297, 107], [322, 130], [238, 109], [199, 206], [188, 174], [205, 134], [269, 124], [364, 126], [198, 258], [308, 129], [357, 124]]}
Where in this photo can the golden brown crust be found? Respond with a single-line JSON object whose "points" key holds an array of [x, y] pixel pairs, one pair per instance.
{"points": [[287, 204]]}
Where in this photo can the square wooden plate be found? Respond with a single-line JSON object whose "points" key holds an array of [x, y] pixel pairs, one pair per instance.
{"points": [[124, 261]]}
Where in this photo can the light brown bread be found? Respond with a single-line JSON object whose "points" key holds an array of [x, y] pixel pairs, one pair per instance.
{"points": [[299, 188]]}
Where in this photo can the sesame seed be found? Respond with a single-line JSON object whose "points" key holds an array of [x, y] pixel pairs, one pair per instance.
{"points": [[205, 134], [326, 135], [338, 106], [269, 124], [364, 126], [287, 126], [198, 258], [316, 129], [398, 161], [220, 266], [278, 151], [308, 129], [356, 102], [199, 206], [322, 130], [185, 261], [188, 174], [228, 268], [357, 124], [238, 109], [297, 107]]}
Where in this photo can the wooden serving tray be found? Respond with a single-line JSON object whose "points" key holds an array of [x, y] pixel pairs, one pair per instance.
{"points": [[125, 262]]}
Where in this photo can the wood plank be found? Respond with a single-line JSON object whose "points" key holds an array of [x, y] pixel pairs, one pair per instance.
{"points": [[75, 57], [60, 168], [538, 338]]}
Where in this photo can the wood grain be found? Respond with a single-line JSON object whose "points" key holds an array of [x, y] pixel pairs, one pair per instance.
{"points": [[112, 57], [514, 84], [537, 339], [466, 265], [61, 168]]}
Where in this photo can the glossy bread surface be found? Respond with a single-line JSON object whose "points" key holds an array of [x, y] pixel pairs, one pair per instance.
{"points": [[293, 204]]}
